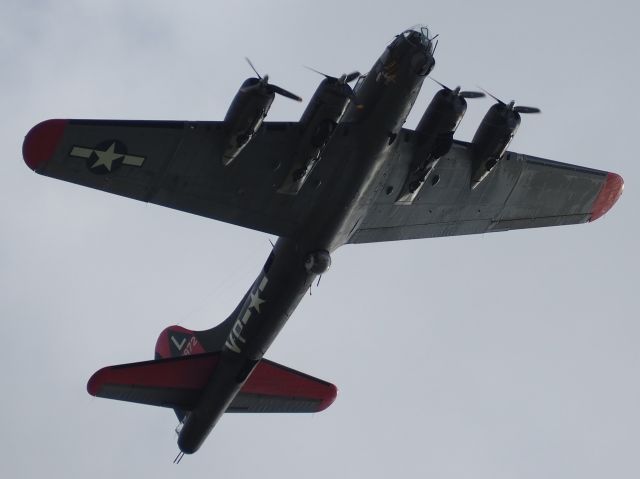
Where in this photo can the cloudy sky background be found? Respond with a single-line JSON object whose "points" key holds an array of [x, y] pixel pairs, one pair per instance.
{"points": [[496, 356]]}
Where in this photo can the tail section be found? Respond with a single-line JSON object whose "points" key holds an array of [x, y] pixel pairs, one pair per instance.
{"points": [[175, 382], [176, 341], [179, 382]]}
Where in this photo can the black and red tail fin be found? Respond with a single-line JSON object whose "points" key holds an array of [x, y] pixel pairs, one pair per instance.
{"points": [[176, 341]]}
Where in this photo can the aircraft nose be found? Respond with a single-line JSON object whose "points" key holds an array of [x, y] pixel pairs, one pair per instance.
{"points": [[419, 37], [417, 47]]}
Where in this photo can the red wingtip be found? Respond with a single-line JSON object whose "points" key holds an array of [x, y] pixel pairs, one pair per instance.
{"points": [[328, 401], [94, 383], [609, 194], [41, 142]]}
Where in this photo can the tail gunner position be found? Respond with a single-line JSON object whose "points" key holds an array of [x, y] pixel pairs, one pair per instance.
{"points": [[347, 172]]}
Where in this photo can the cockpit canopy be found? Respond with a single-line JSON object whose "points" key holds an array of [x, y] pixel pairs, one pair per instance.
{"points": [[419, 35]]}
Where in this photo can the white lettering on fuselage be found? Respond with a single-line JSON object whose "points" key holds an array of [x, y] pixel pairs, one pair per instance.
{"points": [[235, 338]]}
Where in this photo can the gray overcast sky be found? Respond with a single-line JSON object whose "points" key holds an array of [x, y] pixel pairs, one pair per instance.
{"points": [[495, 356]]}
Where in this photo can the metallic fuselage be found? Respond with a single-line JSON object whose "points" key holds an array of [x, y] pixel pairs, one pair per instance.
{"points": [[385, 98]]}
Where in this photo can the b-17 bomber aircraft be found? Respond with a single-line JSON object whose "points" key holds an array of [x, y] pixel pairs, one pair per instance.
{"points": [[347, 172]]}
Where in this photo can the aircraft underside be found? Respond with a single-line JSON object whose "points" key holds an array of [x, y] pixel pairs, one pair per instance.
{"points": [[347, 172]]}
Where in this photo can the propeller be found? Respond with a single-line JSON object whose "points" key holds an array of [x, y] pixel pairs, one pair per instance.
{"points": [[457, 92], [512, 105], [344, 78], [272, 88]]}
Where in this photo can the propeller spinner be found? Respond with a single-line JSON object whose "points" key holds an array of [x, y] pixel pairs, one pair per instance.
{"points": [[264, 81]]}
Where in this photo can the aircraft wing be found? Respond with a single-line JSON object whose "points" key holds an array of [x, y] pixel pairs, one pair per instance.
{"points": [[522, 191], [175, 164]]}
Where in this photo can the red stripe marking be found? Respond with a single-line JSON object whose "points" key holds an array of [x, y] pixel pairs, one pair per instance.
{"points": [[609, 194], [41, 142]]}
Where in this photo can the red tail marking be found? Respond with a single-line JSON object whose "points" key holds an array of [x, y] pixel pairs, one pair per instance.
{"points": [[191, 372], [163, 347], [273, 379]]}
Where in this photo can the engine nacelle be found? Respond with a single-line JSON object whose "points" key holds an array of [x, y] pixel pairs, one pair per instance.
{"points": [[245, 116], [491, 140], [318, 124], [442, 117], [329, 101], [435, 137]]}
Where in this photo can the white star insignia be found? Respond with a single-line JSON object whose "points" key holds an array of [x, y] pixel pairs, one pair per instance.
{"points": [[256, 301], [107, 157]]}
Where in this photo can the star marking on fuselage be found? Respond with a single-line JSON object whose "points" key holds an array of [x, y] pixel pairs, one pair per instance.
{"points": [[256, 301]]}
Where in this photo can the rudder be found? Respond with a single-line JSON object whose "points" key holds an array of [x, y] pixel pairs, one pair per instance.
{"points": [[176, 341]]}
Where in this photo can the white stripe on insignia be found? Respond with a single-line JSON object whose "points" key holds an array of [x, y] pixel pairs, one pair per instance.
{"points": [[106, 157], [81, 152], [133, 160]]}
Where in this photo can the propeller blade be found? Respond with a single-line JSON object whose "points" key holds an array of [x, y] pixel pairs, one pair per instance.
{"points": [[441, 84], [283, 92], [318, 72], [493, 96], [351, 76], [463, 94], [472, 94], [526, 109], [345, 78], [253, 68]]}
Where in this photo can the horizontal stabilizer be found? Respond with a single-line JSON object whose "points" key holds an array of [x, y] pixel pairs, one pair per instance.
{"points": [[176, 382], [276, 388], [179, 382]]}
